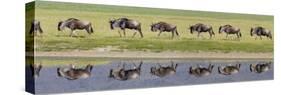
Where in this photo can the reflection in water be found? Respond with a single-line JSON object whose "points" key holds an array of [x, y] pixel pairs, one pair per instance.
{"points": [[165, 74]]}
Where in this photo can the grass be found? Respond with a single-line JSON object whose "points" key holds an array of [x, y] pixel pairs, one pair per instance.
{"points": [[50, 13]]}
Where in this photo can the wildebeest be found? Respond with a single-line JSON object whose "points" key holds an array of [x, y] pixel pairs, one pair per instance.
{"points": [[122, 74], [200, 27], [35, 69], [35, 28], [164, 27], [200, 71], [229, 70], [164, 71], [260, 68], [125, 23], [229, 29], [261, 31], [72, 73], [75, 24]]}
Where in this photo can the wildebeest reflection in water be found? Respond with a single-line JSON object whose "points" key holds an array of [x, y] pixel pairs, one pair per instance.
{"points": [[122, 74], [35, 69], [164, 71], [229, 70], [72, 73], [200, 71], [260, 68], [48, 82]]}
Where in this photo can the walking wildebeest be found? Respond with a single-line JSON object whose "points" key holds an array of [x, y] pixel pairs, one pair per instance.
{"points": [[260, 68], [229, 70], [228, 29], [199, 27], [164, 71], [75, 24], [200, 71], [261, 31], [122, 74], [125, 23], [35, 69], [164, 27], [72, 73], [35, 27]]}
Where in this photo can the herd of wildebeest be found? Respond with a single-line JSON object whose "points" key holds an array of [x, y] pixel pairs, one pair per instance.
{"points": [[120, 73], [126, 23]]}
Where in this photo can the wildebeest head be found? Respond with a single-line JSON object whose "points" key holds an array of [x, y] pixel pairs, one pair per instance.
{"points": [[112, 22], [252, 30], [221, 29], [269, 35], [224, 27], [191, 28], [238, 66], [210, 67], [35, 69], [154, 27], [60, 25], [89, 68], [153, 70], [90, 29], [138, 68]]}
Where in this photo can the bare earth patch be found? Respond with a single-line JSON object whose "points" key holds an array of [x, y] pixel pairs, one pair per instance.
{"points": [[168, 54]]}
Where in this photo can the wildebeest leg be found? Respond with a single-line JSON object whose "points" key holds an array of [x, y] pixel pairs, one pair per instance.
{"points": [[173, 33], [134, 34], [210, 34], [256, 37], [226, 36], [119, 33], [260, 38], [35, 33], [159, 33], [124, 32], [71, 33], [198, 34], [237, 34]]}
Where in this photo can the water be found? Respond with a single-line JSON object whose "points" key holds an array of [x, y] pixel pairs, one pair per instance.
{"points": [[49, 82]]}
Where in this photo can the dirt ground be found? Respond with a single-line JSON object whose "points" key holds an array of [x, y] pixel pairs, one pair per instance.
{"points": [[167, 54]]}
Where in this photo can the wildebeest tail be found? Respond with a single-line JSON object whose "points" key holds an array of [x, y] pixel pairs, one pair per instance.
{"points": [[110, 73], [212, 31], [219, 70], [139, 29], [59, 25], [31, 29], [176, 31], [40, 29], [91, 29], [251, 32], [240, 34]]}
